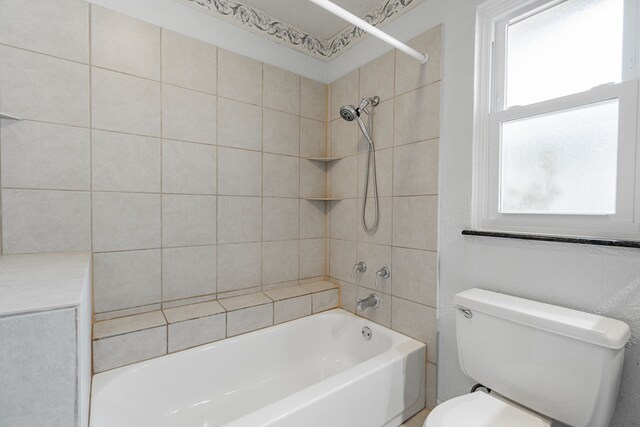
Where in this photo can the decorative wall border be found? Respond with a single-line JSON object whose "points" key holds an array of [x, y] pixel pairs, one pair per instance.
{"points": [[284, 33]]}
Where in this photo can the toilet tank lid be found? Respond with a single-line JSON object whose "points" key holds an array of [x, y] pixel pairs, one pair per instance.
{"points": [[591, 328]]}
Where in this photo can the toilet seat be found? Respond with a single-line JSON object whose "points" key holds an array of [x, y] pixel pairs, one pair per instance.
{"points": [[483, 410]]}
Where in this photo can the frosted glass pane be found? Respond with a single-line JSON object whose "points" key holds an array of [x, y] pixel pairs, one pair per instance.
{"points": [[561, 163], [565, 49]]}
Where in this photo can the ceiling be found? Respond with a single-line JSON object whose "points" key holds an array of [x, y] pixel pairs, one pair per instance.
{"points": [[308, 17], [300, 24]]}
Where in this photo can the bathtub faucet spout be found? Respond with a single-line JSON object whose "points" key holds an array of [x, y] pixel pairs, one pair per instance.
{"points": [[370, 301]]}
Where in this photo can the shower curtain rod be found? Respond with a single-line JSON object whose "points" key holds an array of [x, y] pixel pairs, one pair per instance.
{"points": [[364, 25]]}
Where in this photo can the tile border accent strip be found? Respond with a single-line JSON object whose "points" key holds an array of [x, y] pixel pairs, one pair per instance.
{"points": [[284, 33], [560, 239]]}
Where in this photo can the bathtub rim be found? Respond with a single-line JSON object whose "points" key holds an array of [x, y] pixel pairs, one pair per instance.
{"points": [[307, 395], [104, 376]]}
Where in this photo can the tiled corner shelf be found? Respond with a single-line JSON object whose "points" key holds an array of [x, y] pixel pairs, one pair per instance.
{"points": [[9, 116], [156, 333], [324, 159]]}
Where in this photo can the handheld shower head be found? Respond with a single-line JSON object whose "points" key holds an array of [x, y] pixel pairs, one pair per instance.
{"points": [[349, 112]]}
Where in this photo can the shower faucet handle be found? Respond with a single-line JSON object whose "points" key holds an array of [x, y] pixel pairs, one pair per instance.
{"points": [[383, 273], [361, 267]]}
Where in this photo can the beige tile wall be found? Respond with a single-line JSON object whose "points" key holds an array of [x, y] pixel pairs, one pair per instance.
{"points": [[406, 131], [182, 166], [179, 164]]}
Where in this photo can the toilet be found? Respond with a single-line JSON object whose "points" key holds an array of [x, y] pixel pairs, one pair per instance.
{"points": [[540, 362]]}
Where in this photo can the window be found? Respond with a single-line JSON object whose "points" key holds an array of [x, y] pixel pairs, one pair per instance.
{"points": [[556, 122]]}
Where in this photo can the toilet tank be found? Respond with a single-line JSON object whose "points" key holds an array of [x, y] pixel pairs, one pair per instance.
{"points": [[562, 363]]}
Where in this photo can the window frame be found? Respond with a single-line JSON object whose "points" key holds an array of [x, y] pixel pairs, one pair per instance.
{"points": [[492, 20]]}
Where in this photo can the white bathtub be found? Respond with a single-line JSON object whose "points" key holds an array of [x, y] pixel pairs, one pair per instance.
{"points": [[318, 371]]}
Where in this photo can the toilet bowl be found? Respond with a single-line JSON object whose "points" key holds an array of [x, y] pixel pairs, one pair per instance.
{"points": [[480, 409], [543, 363]]}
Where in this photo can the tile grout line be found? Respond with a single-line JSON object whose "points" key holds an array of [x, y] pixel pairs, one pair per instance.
{"points": [[262, 78], [328, 152], [90, 66], [158, 136], [162, 186], [299, 181], [217, 171], [393, 153]]}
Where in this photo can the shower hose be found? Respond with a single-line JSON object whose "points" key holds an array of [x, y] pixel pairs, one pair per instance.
{"points": [[371, 164]]}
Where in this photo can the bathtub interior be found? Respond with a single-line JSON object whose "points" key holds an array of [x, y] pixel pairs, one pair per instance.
{"points": [[223, 381]]}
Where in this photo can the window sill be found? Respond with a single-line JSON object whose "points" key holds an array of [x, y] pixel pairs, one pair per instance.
{"points": [[559, 239]]}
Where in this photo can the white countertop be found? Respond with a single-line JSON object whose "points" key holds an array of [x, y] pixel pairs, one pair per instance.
{"points": [[37, 282]]}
